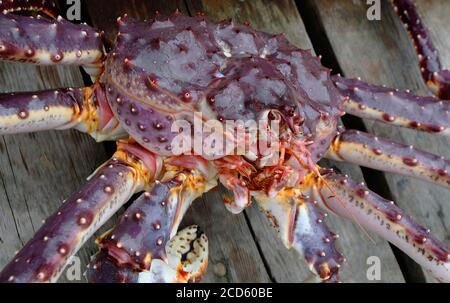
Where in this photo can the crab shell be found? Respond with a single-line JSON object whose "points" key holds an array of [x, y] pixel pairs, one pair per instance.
{"points": [[174, 68]]}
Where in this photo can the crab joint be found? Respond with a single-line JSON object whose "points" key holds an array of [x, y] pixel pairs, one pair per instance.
{"points": [[95, 116]]}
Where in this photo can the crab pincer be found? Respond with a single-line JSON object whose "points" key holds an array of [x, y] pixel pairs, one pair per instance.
{"points": [[138, 248]]}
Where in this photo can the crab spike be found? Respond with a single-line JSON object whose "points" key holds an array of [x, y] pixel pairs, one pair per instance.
{"points": [[399, 108], [143, 231], [356, 202], [300, 224], [386, 155], [47, 7], [437, 79], [85, 109], [44, 257], [46, 42]]}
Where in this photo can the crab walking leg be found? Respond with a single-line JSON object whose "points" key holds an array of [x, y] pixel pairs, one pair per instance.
{"points": [[400, 108], [135, 250], [47, 42], [437, 78], [85, 109], [44, 257], [372, 212], [301, 226], [47, 7], [386, 155]]}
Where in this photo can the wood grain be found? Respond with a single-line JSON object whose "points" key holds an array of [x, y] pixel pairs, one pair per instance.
{"points": [[380, 52]]}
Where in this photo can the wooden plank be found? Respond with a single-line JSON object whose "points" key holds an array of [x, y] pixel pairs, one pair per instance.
{"points": [[284, 265], [380, 52], [234, 256]]}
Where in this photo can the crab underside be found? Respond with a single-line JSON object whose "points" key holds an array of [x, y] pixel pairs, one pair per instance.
{"points": [[166, 76]]}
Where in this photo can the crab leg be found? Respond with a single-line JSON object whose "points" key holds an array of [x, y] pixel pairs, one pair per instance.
{"points": [[47, 42], [386, 155], [437, 79], [47, 7], [300, 224], [44, 257], [394, 107], [85, 109], [356, 202], [136, 247]]}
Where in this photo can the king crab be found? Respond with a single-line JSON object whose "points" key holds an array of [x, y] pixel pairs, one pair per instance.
{"points": [[171, 69]]}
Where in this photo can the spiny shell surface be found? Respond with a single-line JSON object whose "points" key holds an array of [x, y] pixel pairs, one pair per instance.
{"points": [[168, 68]]}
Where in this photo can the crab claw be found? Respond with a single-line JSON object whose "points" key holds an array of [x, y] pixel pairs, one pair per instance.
{"points": [[138, 244], [187, 259]]}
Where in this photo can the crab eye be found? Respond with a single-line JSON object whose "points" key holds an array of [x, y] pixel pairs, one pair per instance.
{"points": [[187, 97]]}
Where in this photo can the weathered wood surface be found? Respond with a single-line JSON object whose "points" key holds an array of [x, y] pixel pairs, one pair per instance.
{"points": [[39, 170], [380, 52]]}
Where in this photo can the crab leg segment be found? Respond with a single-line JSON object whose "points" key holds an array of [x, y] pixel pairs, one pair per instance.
{"points": [[387, 105], [44, 257], [139, 240], [46, 42], [386, 155], [354, 201], [300, 224], [47, 7], [85, 109], [437, 79]]}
